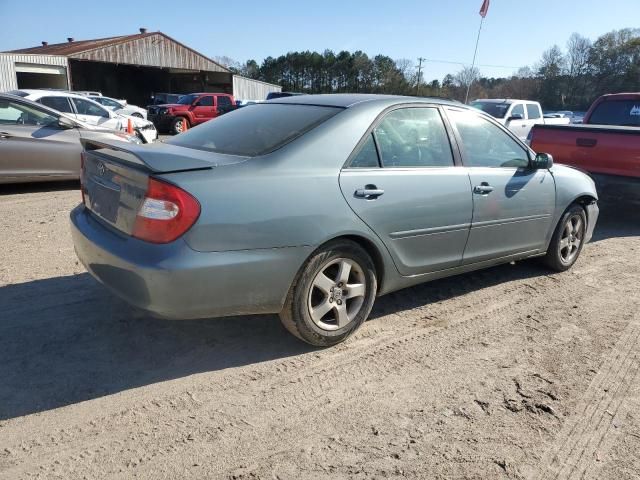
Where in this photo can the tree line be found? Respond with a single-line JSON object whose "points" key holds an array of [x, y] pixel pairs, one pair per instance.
{"points": [[563, 79]]}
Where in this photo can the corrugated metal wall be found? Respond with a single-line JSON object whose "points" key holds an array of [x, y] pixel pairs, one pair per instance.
{"points": [[8, 80], [153, 51], [249, 89]]}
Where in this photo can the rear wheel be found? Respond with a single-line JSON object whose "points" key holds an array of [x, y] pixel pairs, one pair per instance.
{"points": [[332, 295], [179, 125], [568, 239]]}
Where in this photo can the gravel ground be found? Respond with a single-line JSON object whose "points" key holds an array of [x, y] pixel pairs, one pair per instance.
{"points": [[511, 372]]}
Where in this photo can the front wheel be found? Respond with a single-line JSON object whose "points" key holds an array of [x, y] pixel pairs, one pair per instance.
{"points": [[568, 239], [179, 125], [332, 295]]}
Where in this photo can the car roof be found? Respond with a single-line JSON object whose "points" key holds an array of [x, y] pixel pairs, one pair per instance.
{"points": [[346, 100], [52, 93], [503, 100]]}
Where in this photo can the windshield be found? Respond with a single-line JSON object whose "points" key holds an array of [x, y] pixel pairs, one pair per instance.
{"points": [[617, 112], [255, 130], [496, 110], [187, 99]]}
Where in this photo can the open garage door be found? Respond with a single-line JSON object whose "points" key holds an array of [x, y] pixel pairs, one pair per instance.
{"points": [[31, 75]]}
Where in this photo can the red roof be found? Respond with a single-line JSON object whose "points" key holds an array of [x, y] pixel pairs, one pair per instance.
{"points": [[70, 48]]}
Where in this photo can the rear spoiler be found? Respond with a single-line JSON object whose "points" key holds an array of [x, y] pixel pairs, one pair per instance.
{"points": [[153, 159]]}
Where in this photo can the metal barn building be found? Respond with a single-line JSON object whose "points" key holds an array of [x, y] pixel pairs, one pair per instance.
{"points": [[129, 66]]}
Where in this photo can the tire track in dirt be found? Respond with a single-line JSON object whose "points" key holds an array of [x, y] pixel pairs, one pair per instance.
{"points": [[576, 446]]}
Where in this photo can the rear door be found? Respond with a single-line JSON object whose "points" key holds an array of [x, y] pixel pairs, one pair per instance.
{"points": [[404, 183], [513, 205], [32, 145], [224, 104]]}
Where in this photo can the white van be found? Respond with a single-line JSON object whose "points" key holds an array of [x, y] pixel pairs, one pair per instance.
{"points": [[519, 116]]}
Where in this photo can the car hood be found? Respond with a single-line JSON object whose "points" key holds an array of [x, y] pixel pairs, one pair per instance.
{"points": [[137, 121], [175, 106]]}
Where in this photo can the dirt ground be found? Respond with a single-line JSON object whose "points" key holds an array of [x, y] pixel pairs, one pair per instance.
{"points": [[510, 372]]}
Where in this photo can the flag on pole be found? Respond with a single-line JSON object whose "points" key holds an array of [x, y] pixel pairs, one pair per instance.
{"points": [[484, 8]]}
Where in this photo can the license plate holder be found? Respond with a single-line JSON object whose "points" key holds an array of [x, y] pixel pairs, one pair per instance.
{"points": [[105, 201]]}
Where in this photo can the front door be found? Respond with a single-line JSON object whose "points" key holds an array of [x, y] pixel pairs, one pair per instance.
{"points": [[33, 145], [93, 114], [403, 183], [513, 205], [204, 109]]}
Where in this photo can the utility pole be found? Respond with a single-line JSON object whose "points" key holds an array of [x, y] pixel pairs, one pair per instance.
{"points": [[420, 60]]}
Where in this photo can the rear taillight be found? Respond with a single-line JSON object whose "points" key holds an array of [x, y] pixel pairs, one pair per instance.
{"points": [[82, 175], [166, 213]]}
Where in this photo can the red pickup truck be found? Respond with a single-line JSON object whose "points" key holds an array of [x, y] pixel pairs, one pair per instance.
{"points": [[606, 145], [190, 110]]}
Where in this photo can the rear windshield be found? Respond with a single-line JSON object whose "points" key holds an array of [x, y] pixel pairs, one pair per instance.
{"points": [[255, 129], [617, 112], [496, 110]]}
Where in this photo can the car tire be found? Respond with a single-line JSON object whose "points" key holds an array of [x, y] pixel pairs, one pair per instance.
{"points": [[320, 286], [177, 125], [568, 239]]}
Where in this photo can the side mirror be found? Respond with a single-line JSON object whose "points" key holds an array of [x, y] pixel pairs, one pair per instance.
{"points": [[515, 116], [542, 161], [66, 123]]}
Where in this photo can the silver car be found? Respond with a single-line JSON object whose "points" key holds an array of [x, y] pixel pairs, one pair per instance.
{"points": [[311, 206], [38, 143]]}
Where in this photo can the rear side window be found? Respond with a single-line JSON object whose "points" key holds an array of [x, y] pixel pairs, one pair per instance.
{"points": [[367, 156], [60, 104], [617, 112], [533, 111], [224, 101], [255, 130], [413, 137]]}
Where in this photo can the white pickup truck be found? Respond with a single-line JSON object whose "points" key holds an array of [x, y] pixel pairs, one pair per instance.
{"points": [[519, 116]]}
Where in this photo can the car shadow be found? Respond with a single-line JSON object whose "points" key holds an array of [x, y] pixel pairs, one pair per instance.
{"points": [[617, 220], [65, 340]]}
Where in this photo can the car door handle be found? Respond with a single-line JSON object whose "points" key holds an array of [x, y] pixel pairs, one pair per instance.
{"points": [[5, 135], [586, 142], [483, 189], [369, 192]]}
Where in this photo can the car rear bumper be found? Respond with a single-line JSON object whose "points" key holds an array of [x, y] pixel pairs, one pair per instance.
{"points": [[174, 281]]}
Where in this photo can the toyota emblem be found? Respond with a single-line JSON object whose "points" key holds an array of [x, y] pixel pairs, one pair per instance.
{"points": [[102, 169]]}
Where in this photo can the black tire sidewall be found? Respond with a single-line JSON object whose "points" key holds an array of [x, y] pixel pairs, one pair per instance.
{"points": [[300, 315], [553, 258]]}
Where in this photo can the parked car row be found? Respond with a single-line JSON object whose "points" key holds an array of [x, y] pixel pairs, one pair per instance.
{"points": [[86, 110], [38, 143]]}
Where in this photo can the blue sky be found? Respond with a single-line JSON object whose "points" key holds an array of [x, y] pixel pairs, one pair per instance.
{"points": [[515, 32]]}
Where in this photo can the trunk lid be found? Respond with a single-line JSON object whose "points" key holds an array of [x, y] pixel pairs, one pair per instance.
{"points": [[115, 177]]}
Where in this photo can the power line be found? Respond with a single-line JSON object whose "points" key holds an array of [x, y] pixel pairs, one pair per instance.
{"points": [[468, 64]]}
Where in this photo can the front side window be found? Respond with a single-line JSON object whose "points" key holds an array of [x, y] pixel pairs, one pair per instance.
{"points": [[518, 110], [85, 107], [255, 131], [533, 111], [13, 113], [413, 137], [60, 104], [486, 144], [205, 101]]}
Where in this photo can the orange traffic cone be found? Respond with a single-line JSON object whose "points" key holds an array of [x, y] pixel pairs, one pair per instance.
{"points": [[130, 127], [185, 125]]}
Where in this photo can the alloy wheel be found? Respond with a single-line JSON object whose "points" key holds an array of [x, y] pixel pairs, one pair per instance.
{"points": [[571, 238], [337, 294]]}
